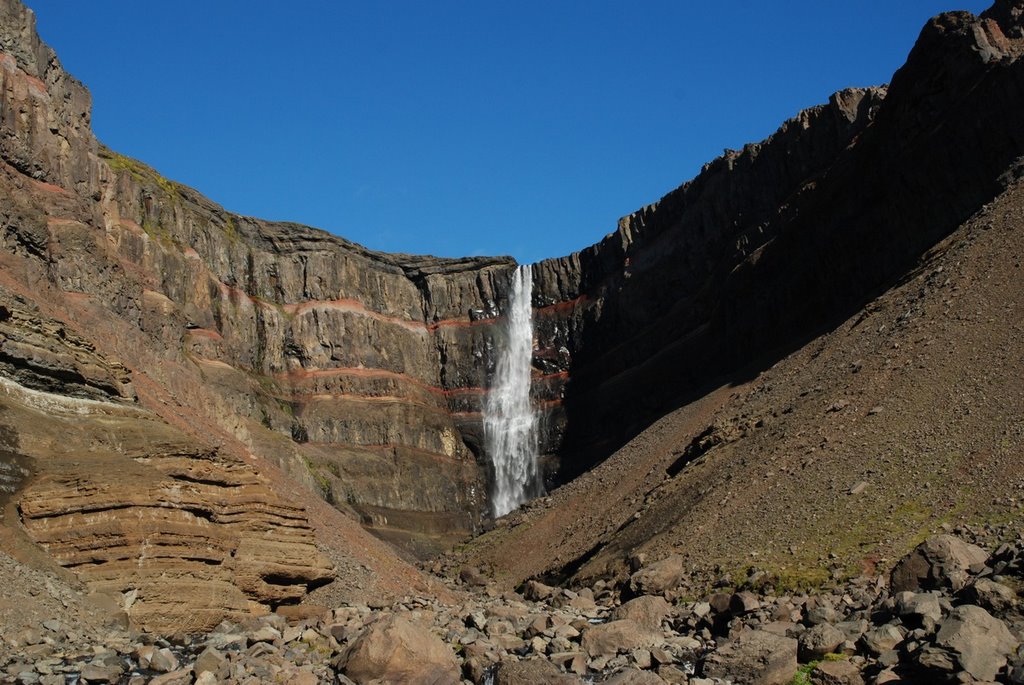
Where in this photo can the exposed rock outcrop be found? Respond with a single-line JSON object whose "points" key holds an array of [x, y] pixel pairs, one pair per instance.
{"points": [[369, 366], [179, 535], [776, 242], [252, 346]]}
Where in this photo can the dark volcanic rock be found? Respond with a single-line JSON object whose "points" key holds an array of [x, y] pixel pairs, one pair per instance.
{"points": [[754, 658], [363, 374], [942, 561], [979, 642], [773, 243]]}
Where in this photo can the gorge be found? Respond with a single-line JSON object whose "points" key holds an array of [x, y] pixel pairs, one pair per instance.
{"points": [[793, 368]]}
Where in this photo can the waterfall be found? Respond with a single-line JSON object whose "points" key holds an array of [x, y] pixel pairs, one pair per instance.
{"points": [[510, 424]]}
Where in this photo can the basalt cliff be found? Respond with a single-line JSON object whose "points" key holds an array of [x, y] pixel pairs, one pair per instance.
{"points": [[206, 405]]}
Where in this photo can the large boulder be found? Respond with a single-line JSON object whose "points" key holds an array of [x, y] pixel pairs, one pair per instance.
{"points": [[658, 577], [394, 650], [820, 640], [978, 641], [648, 611], [531, 672], [634, 676], [618, 636], [940, 562], [754, 658]]}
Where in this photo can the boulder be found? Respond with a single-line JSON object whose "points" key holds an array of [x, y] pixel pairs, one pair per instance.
{"points": [[979, 642], [744, 603], [989, 595], [531, 672], [163, 661], [634, 676], [836, 673], [853, 629], [613, 637], [937, 662], [209, 661], [882, 639], [820, 640], [183, 676], [940, 562], [754, 658], [658, 577], [537, 591], [820, 611], [919, 609], [94, 673], [393, 650], [648, 611]]}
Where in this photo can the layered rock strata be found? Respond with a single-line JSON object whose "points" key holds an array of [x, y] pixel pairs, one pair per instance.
{"points": [[369, 366], [361, 374], [177, 534]]}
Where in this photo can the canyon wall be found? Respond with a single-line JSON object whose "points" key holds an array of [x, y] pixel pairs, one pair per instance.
{"points": [[198, 357], [774, 243], [269, 345], [358, 372]]}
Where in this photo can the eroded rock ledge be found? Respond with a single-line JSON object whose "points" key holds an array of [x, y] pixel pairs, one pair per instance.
{"points": [[178, 534]]}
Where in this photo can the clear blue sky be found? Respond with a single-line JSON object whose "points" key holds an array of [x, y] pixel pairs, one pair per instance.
{"points": [[461, 127]]}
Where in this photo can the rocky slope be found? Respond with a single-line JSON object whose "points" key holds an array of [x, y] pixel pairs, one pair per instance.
{"points": [[837, 456], [164, 360], [835, 459], [772, 244], [949, 615], [215, 372]]}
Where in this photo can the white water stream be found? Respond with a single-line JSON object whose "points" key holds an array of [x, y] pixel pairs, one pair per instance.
{"points": [[510, 424]]}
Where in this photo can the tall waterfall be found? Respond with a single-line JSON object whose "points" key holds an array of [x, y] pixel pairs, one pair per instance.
{"points": [[510, 424]]}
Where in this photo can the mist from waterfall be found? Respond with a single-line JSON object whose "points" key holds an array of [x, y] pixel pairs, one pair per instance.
{"points": [[510, 423]]}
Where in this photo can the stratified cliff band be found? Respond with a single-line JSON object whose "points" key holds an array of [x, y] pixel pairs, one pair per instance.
{"points": [[217, 353]]}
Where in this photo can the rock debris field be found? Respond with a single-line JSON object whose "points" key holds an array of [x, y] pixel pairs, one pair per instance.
{"points": [[947, 613]]}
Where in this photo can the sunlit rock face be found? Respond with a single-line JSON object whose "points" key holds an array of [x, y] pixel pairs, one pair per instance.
{"points": [[177, 534], [364, 375], [360, 373]]}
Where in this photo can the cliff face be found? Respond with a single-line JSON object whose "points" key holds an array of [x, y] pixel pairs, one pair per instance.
{"points": [[249, 348], [775, 243], [358, 372], [179, 534], [827, 328], [263, 347]]}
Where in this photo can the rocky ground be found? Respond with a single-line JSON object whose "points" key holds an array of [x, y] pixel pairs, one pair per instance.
{"points": [[175, 404], [948, 613], [839, 457]]}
